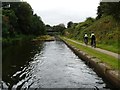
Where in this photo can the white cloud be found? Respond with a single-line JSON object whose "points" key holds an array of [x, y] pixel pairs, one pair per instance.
{"points": [[62, 11]]}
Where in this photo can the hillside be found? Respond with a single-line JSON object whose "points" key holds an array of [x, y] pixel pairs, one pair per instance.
{"points": [[106, 30]]}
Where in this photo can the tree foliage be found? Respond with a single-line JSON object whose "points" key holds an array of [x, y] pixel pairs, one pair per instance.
{"points": [[109, 8], [18, 18], [59, 28], [37, 26], [69, 24], [9, 23], [24, 13]]}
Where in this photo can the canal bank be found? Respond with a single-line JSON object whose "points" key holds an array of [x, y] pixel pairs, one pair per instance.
{"points": [[102, 69]]}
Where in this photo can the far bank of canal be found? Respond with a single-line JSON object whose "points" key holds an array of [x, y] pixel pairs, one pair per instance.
{"points": [[46, 65]]}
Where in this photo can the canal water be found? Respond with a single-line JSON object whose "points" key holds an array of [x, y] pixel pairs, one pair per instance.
{"points": [[46, 65]]}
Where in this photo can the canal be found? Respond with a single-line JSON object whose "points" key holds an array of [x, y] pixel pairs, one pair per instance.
{"points": [[46, 65]]}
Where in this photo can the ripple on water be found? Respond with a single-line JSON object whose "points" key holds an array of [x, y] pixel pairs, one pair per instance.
{"points": [[56, 66]]}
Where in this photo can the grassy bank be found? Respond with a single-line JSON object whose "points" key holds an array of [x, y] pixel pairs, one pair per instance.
{"points": [[44, 38], [109, 60], [11, 41], [110, 47], [106, 30]]}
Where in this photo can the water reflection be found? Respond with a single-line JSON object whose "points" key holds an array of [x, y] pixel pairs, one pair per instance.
{"points": [[15, 59], [46, 65]]}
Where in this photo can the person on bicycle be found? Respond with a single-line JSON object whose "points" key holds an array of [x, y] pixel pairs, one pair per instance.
{"points": [[93, 40], [86, 38]]}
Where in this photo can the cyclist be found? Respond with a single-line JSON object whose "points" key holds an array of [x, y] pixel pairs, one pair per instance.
{"points": [[93, 40], [86, 38]]}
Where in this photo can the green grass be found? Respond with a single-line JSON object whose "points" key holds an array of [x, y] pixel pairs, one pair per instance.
{"points": [[109, 60], [44, 37], [108, 47], [112, 48]]}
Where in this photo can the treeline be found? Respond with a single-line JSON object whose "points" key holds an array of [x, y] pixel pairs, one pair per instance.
{"points": [[56, 29], [18, 19], [109, 8]]}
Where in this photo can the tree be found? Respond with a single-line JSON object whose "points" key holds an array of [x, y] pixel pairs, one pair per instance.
{"points": [[109, 8], [9, 22], [37, 26], [48, 26], [59, 28], [69, 24], [99, 12], [5, 26], [19, 19], [62, 25], [24, 14]]}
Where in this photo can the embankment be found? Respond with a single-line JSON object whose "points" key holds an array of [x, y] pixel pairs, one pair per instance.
{"points": [[44, 38]]}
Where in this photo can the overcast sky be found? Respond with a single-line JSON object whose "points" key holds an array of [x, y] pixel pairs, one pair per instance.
{"points": [[54, 12]]}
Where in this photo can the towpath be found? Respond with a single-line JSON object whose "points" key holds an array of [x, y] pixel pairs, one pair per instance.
{"points": [[98, 49]]}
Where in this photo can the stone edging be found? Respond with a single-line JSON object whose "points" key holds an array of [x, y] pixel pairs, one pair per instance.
{"points": [[100, 68]]}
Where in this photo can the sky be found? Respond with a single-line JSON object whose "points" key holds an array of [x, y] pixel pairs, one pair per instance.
{"points": [[54, 12]]}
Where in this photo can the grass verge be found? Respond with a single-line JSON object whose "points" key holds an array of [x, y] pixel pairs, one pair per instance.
{"points": [[44, 38], [109, 60], [113, 48], [109, 48]]}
